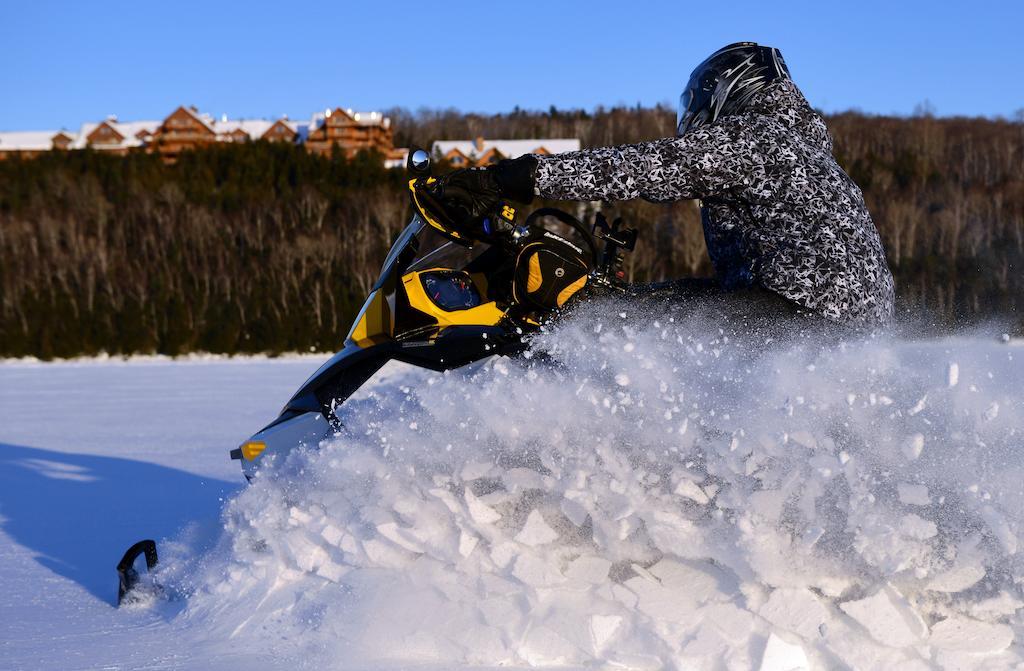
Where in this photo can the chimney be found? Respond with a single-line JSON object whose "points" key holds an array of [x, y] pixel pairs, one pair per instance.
{"points": [[479, 143]]}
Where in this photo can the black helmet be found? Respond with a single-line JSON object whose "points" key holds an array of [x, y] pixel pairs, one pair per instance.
{"points": [[725, 82]]}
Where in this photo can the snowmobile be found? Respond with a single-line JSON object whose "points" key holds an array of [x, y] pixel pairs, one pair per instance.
{"points": [[448, 295], [451, 293]]}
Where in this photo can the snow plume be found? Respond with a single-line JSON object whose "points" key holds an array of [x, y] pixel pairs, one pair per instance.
{"points": [[644, 491]]}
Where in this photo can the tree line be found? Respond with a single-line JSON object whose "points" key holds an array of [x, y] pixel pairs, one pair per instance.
{"points": [[263, 247]]}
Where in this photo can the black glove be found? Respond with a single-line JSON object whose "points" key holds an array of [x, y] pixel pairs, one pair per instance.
{"points": [[475, 192], [468, 194]]}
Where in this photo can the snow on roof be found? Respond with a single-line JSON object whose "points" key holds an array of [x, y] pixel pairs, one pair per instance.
{"points": [[397, 158], [361, 118], [127, 129], [507, 148], [254, 128], [29, 140]]}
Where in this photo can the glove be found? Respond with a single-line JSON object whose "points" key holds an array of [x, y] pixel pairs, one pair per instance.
{"points": [[468, 194], [472, 193]]}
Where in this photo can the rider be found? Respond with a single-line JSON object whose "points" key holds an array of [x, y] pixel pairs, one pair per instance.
{"points": [[778, 211]]}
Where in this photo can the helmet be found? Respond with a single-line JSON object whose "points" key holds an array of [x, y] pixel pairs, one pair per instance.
{"points": [[726, 81]]}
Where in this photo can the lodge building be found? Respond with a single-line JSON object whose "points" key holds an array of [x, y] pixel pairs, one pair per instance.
{"points": [[186, 128], [481, 152], [347, 130]]}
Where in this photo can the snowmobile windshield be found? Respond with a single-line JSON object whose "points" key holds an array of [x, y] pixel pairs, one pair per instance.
{"points": [[407, 240], [421, 247], [437, 251]]}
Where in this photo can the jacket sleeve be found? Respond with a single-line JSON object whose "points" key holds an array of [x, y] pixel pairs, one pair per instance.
{"points": [[709, 161]]}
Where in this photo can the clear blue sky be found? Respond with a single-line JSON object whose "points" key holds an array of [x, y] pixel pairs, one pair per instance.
{"points": [[65, 63]]}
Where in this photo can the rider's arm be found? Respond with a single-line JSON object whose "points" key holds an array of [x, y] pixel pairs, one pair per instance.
{"points": [[705, 162]]}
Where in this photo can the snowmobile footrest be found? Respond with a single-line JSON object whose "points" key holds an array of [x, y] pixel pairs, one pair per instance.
{"points": [[126, 572]]}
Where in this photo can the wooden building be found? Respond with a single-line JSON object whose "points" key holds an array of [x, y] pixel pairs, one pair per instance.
{"points": [[186, 128], [183, 129], [28, 144], [351, 131], [479, 152]]}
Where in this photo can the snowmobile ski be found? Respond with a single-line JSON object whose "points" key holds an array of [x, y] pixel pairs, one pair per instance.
{"points": [[128, 577]]}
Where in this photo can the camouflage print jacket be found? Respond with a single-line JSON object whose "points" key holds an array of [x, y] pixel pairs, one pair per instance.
{"points": [[777, 209]]}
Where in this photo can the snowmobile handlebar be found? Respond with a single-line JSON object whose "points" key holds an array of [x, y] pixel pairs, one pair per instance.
{"points": [[499, 226]]}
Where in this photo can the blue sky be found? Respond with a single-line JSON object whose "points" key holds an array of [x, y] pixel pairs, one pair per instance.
{"points": [[65, 63]]}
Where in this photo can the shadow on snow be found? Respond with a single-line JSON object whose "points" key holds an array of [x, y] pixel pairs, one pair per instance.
{"points": [[78, 512]]}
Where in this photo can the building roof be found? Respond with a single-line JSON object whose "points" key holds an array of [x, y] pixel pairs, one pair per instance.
{"points": [[507, 148], [29, 140], [361, 118], [396, 158], [254, 128], [127, 129]]}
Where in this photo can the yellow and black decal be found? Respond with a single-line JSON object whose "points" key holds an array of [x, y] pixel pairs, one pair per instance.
{"points": [[430, 210], [374, 324], [455, 307], [548, 274]]}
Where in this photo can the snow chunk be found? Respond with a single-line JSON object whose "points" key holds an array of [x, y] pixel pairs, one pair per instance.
{"points": [[467, 543], [953, 374], [480, 511], [888, 618], [805, 438], [962, 634], [331, 571], [1000, 528], [689, 489], [916, 527], [782, 656], [589, 568], [913, 446], [536, 531], [332, 535], [797, 610], [957, 578], [299, 518], [671, 590], [603, 629], [536, 572], [543, 647], [913, 495]]}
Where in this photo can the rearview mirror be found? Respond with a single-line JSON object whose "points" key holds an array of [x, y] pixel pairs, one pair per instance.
{"points": [[419, 162]]}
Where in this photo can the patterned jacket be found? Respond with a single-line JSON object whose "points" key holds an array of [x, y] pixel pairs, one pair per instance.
{"points": [[777, 209]]}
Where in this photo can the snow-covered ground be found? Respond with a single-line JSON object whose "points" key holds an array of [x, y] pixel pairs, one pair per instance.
{"points": [[654, 495], [95, 455]]}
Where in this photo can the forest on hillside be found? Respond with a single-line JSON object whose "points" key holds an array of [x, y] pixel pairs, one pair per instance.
{"points": [[263, 247]]}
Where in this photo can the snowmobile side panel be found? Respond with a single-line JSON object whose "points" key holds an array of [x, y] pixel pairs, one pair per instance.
{"points": [[374, 324], [308, 428], [459, 346], [335, 368], [483, 314]]}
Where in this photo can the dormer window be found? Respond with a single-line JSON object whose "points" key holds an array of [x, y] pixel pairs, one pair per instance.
{"points": [[61, 141]]}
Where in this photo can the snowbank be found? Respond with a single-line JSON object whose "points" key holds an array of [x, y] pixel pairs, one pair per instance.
{"points": [[646, 493]]}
